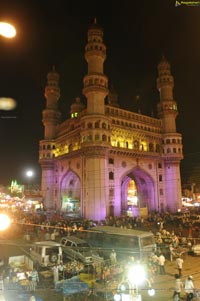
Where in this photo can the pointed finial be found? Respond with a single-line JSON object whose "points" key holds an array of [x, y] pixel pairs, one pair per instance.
{"points": [[137, 97], [77, 99], [163, 56], [111, 86]]}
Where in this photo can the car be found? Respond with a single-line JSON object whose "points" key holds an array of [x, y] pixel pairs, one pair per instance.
{"points": [[46, 253], [79, 249]]}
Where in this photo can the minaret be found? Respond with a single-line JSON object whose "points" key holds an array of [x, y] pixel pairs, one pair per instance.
{"points": [[167, 108], [51, 115], [51, 118], [95, 135], [172, 141], [95, 82]]}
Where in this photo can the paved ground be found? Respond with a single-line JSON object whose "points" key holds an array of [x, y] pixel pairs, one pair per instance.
{"points": [[164, 285]]}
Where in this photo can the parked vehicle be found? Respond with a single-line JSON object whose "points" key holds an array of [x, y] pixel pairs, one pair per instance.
{"points": [[79, 249], [46, 253], [126, 242]]}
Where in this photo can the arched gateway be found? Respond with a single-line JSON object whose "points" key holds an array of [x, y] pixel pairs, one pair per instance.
{"points": [[83, 156], [70, 194], [137, 192]]}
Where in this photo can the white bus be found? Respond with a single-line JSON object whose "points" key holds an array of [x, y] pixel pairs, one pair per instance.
{"points": [[126, 242]]}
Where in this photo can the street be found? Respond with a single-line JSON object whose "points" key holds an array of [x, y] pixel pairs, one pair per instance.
{"points": [[163, 284]]}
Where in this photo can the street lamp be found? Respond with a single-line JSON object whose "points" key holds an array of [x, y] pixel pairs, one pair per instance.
{"points": [[124, 291], [29, 174], [7, 30], [128, 290], [137, 276]]}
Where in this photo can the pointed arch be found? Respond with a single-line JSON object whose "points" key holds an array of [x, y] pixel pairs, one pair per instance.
{"points": [[70, 192], [145, 189]]}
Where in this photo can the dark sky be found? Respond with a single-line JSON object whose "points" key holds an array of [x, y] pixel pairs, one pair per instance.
{"points": [[136, 34]]}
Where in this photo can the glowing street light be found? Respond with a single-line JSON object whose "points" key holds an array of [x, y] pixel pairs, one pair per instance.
{"points": [[4, 222], [7, 103], [7, 30], [128, 289], [137, 274], [29, 173], [151, 292]]}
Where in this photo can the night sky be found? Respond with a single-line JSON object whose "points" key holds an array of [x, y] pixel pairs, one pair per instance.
{"points": [[136, 34]]}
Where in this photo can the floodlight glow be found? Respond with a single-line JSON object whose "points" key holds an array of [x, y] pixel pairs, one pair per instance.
{"points": [[151, 292], [4, 222], [136, 274], [117, 297], [29, 173], [123, 287], [7, 103], [7, 30]]}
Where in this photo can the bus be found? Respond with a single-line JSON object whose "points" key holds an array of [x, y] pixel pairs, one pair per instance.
{"points": [[126, 242]]}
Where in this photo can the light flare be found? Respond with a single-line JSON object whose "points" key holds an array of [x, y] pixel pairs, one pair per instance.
{"points": [[7, 30], [4, 222]]}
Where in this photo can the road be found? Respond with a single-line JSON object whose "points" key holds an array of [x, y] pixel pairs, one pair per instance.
{"points": [[163, 284]]}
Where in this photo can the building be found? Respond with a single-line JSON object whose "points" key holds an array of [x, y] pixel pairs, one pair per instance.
{"points": [[104, 160]]}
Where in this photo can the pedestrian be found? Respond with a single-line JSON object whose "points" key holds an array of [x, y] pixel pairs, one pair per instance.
{"points": [[189, 288], [178, 288], [33, 280], [113, 257], [179, 263], [171, 252], [161, 262], [155, 262], [55, 273], [61, 270], [12, 275]]}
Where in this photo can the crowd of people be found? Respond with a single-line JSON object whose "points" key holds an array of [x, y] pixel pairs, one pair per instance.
{"points": [[185, 224], [175, 234]]}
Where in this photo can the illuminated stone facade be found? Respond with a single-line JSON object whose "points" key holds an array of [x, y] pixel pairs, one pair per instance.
{"points": [[104, 160]]}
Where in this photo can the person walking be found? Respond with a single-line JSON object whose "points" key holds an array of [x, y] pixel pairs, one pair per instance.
{"points": [[171, 252], [189, 288], [178, 288], [161, 261], [55, 273], [179, 263], [113, 257], [34, 279], [61, 270]]}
